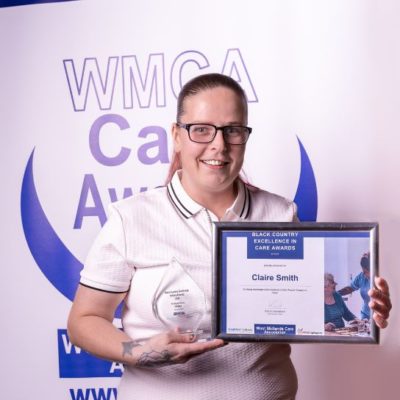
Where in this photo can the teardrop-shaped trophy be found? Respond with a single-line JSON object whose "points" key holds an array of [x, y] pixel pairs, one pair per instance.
{"points": [[179, 302]]}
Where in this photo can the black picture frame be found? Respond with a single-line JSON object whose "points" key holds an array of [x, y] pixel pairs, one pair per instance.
{"points": [[336, 236]]}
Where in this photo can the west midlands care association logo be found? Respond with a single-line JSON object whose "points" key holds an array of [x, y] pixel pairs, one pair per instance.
{"points": [[95, 84]]}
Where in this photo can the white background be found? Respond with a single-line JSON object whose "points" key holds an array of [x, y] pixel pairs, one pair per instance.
{"points": [[246, 307], [327, 71]]}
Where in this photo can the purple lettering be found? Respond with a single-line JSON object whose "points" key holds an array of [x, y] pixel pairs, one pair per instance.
{"points": [[235, 67], [113, 194], [133, 82], [161, 143], [89, 187], [190, 56], [91, 77], [94, 140]]}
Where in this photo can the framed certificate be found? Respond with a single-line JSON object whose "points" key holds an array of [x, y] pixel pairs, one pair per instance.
{"points": [[294, 282]]}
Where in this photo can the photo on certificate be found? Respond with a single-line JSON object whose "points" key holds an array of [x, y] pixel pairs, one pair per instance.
{"points": [[294, 282]]}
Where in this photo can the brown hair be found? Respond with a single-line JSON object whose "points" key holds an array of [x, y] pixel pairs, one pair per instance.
{"points": [[193, 87]]}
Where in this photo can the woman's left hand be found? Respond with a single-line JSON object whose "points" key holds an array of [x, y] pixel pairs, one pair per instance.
{"points": [[380, 302]]}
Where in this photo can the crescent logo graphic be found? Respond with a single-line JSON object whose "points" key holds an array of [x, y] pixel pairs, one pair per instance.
{"points": [[51, 255], [62, 268], [306, 196]]}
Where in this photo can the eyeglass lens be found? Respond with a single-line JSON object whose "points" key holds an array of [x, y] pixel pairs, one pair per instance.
{"points": [[203, 133]]}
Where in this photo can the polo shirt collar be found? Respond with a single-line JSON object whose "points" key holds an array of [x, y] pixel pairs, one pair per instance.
{"points": [[242, 204], [182, 201], [188, 207]]}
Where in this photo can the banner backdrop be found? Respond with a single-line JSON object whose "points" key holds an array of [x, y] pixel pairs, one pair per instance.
{"points": [[88, 95]]}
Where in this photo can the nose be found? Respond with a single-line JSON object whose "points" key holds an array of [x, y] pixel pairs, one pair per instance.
{"points": [[219, 140]]}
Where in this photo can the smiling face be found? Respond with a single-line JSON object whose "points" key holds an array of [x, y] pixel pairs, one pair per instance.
{"points": [[210, 168]]}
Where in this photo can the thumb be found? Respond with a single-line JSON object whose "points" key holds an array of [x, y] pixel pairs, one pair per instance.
{"points": [[182, 337]]}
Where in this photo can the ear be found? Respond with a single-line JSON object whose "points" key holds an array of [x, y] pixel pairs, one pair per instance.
{"points": [[176, 137]]}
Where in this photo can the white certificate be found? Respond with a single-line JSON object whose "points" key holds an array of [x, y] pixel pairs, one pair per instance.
{"points": [[271, 281]]}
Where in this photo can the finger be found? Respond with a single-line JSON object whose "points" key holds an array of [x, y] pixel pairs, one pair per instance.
{"points": [[378, 308], [380, 302], [184, 352], [381, 293], [382, 285], [181, 337], [380, 321], [202, 347], [380, 297]]}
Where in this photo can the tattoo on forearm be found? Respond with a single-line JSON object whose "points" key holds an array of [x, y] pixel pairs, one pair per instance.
{"points": [[150, 358], [155, 359], [127, 347]]}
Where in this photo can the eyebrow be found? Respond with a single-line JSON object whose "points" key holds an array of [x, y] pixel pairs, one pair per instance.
{"points": [[226, 124]]}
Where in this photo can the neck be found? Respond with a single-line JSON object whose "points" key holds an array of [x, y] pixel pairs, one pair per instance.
{"points": [[329, 299], [216, 202]]}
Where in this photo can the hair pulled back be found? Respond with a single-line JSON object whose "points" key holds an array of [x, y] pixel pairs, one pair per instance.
{"points": [[205, 82]]}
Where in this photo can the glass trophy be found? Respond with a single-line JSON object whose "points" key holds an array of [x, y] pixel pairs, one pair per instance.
{"points": [[179, 302]]}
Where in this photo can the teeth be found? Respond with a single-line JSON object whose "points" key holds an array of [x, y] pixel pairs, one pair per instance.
{"points": [[213, 162]]}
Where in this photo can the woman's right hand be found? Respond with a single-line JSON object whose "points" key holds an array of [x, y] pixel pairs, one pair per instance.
{"points": [[90, 327], [168, 348]]}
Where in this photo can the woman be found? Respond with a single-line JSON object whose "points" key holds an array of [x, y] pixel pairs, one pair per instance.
{"points": [[152, 232], [335, 308], [361, 282]]}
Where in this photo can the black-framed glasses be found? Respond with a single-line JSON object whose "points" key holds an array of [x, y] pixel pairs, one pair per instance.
{"points": [[205, 133]]}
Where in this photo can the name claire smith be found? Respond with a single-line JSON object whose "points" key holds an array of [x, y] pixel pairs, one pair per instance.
{"points": [[279, 278]]}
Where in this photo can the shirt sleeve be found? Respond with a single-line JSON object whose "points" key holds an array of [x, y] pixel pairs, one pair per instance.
{"points": [[347, 314], [106, 267], [356, 282]]}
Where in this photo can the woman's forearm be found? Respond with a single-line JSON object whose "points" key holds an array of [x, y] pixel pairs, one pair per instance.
{"points": [[346, 290], [90, 327], [101, 338]]}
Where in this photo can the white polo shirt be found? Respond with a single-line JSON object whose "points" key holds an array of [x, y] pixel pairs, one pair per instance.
{"points": [[142, 236]]}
